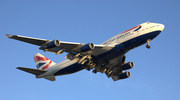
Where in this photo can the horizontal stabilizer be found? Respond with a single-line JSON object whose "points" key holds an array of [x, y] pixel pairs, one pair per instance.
{"points": [[32, 71]]}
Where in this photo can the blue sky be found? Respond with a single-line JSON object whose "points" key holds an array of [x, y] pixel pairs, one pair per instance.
{"points": [[156, 72]]}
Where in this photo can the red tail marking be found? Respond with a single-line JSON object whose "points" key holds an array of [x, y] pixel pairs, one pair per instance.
{"points": [[40, 58], [35, 59], [45, 67]]}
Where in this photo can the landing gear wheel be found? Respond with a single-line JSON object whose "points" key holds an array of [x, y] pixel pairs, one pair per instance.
{"points": [[148, 46], [95, 71], [88, 69]]}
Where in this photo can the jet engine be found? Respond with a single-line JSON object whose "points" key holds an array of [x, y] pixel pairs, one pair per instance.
{"points": [[121, 76], [127, 65], [124, 75], [87, 47], [52, 44]]}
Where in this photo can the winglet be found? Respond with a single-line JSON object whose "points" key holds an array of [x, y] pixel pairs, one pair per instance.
{"points": [[9, 35]]}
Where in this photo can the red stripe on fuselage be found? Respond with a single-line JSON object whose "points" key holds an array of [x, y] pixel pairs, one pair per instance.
{"points": [[130, 29]]}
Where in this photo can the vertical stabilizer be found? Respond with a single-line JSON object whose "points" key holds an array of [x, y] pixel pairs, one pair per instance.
{"points": [[42, 62]]}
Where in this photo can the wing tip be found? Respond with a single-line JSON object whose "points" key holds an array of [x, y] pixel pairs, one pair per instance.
{"points": [[18, 67], [9, 35]]}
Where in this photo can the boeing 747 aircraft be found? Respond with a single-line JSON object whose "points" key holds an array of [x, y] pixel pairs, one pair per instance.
{"points": [[108, 57]]}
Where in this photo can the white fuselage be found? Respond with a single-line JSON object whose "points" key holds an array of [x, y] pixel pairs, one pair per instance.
{"points": [[130, 34], [133, 37]]}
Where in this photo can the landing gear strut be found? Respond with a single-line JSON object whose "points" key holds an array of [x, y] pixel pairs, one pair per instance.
{"points": [[148, 45]]}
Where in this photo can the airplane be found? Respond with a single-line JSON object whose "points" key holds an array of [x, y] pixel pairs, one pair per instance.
{"points": [[108, 57]]}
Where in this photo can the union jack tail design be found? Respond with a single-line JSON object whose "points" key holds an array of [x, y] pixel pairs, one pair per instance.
{"points": [[42, 62]]}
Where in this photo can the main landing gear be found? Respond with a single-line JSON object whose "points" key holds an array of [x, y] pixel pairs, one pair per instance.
{"points": [[148, 45]]}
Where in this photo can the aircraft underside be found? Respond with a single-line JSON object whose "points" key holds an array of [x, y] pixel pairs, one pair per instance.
{"points": [[108, 57], [112, 61]]}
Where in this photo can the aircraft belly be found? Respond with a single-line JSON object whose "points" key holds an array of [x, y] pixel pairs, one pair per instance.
{"points": [[69, 69], [109, 55], [116, 61], [119, 50], [98, 51], [139, 40]]}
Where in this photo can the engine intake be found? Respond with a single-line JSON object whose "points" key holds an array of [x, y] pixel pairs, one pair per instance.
{"points": [[87, 47], [52, 44], [127, 65]]}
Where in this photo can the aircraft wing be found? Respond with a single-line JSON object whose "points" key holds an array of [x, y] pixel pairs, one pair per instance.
{"points": [[31, 40], [63, 47]]}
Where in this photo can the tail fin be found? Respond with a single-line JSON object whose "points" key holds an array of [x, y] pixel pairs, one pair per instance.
{"points": [[42, 62]]}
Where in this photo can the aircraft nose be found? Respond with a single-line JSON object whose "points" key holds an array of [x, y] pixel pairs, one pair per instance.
{"points": [[161, 26]]}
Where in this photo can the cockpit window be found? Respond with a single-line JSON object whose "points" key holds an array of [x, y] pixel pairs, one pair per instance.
{"points": [[137, 28], [148, 22]]}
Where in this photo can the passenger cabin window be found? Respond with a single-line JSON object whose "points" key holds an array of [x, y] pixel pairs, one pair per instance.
{"points": [[152, 26]]}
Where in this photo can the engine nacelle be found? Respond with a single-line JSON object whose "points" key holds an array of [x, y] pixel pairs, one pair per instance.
{"points": [[121, 76], [127, 65], [87, 47], [124, 75], [52, 44]]}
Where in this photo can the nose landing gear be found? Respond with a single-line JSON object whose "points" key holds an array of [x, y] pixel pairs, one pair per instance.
{"points": [[148, 45]]}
